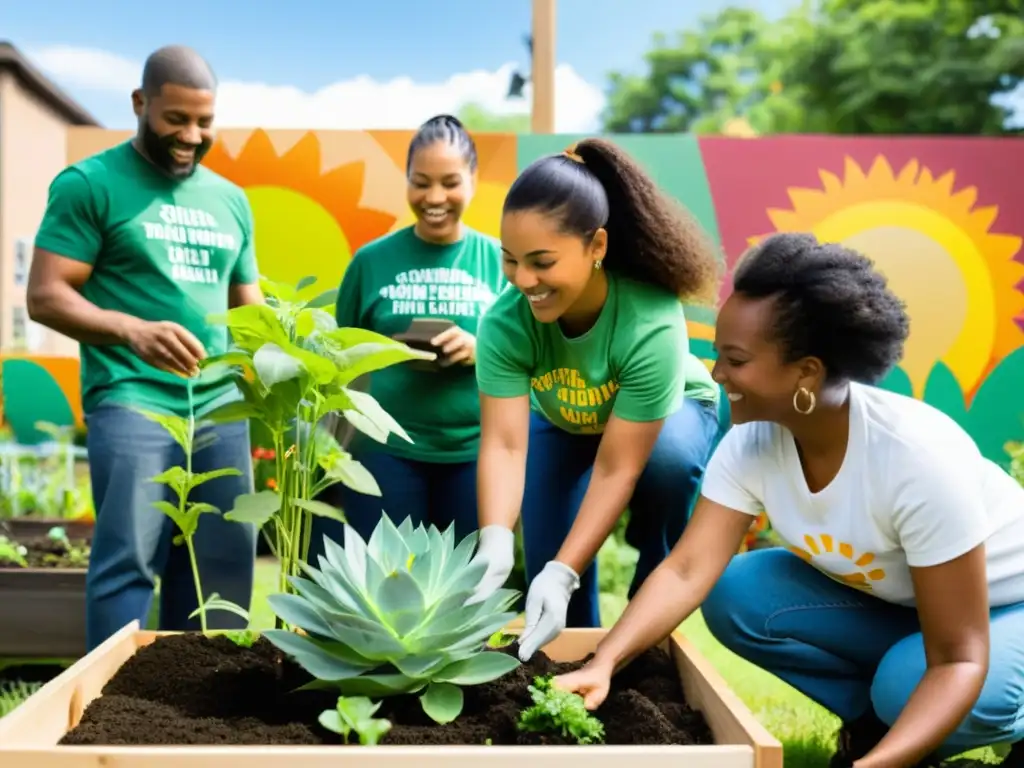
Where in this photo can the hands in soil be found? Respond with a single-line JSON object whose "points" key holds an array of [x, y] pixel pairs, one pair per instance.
{"points": [[592, 683], [558, 711]]}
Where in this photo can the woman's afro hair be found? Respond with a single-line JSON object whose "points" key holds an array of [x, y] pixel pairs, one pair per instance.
{"points": [[830, 303]]}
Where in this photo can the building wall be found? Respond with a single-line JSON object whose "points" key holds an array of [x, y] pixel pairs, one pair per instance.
{"points": [[33, 150]]}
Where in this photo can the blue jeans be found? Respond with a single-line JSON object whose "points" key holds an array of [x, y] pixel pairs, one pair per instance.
{"points": [[132, 539], [558, 469], [849, 651], [429, 493]]}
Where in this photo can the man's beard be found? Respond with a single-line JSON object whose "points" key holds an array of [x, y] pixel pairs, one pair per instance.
{"points": [[158, 149]]}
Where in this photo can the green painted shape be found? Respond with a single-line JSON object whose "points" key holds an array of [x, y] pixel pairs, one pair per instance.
{"points": [[675, 163], [942, 391], [31, 394], [996, 415], [897, 381]]}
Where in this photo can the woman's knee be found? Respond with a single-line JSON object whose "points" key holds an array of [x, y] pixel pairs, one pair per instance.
{"points": [[997, 715]]}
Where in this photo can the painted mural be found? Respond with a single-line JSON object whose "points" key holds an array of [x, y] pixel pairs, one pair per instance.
{"points": [[937, 215]]}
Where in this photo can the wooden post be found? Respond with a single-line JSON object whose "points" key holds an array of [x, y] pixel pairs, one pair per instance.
{"points": [[542, 114]]}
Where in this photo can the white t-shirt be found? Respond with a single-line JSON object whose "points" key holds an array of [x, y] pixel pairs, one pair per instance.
{"points": [[913, 490]]}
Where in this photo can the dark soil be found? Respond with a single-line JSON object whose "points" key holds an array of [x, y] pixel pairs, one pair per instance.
{"points": [[44, 552], [190, 689]]}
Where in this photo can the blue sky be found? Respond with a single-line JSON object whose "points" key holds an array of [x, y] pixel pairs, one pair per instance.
{"points": [[277, 61]]}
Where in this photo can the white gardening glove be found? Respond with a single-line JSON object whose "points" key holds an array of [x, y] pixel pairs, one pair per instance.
{"points": [[497, 547], [547, 602]]}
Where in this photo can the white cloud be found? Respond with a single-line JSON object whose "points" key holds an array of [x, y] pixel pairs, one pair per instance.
{"points": [[360, 102]]}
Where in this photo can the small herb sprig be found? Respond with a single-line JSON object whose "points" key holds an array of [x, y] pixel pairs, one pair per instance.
{"points": [[558, 711], [355, 713]]}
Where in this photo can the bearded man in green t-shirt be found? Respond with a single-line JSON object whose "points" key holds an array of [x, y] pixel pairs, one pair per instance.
{"points": [[139, 243]]}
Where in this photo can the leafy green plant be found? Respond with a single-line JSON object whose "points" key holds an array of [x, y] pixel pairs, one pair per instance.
{"points": [[389, 617], [13, 694], [185, 514], [12, 552], [558, 711], [75, 556], [356, 713], [294, 367]]}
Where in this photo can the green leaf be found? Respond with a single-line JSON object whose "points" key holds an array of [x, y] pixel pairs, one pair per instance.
{"points": [[331, 720], [324, 299], [186, 524], [227, 362], [252, 326], [197, 508], [199, 478], [400, 601], [256, 508], [481, 668], [320, 509], [307, 654], [305, 282], [299, 612], [367, 405], [354, 475], [274, 289], [236, 410], [274, 365], [378, 686], [176, 426], [442, 702], [216, 603], [365, 358]]}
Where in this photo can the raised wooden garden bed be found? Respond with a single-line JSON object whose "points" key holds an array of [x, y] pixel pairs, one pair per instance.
{"points": [[62, 724], [42, 606]]}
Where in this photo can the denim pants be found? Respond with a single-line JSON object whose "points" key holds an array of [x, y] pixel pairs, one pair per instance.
{"points": [[132, 541], [848, 651], [558, 470], [429, 493]]}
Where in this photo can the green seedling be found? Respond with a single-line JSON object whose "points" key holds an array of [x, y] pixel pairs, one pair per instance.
{"points": [[186, 514], [356, 714], [13, 552], [77, 557], [558, 711], [501, 639]]}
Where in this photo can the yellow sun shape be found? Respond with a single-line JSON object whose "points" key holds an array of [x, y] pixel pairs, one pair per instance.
{"points": [[824, 544], [308, 221], [959, 280]]}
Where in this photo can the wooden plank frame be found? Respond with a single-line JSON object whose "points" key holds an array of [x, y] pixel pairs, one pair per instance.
{"points": [[29, 736]]}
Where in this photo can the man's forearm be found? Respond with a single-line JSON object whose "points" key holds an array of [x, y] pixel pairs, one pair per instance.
{"points": [[501, 479], [604, 502], [66, 311]]}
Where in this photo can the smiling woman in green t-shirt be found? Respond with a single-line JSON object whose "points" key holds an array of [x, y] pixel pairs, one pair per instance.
{"points": [[593, 341], [445, 272]]}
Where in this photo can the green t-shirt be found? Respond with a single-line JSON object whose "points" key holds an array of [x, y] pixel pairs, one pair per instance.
{"points": [[395, 279], [161, 250], [634, 362]]}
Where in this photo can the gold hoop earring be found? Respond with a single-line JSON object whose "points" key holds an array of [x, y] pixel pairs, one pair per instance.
{"points": [[812, 401], [597, 264]]}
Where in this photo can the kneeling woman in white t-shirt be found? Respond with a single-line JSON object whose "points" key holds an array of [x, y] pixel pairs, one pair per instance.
{"points": [[899, 534]]}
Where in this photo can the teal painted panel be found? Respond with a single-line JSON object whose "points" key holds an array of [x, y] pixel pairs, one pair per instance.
{"points": [[674, 162], [31, 395]]}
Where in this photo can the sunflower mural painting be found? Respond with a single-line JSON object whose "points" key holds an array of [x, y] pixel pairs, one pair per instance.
{"points": [[940, 219], [939, 215]]}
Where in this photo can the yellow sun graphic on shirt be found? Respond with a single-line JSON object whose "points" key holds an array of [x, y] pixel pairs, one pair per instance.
{"points": [[308, 220], [963, 290], [824, 544]]}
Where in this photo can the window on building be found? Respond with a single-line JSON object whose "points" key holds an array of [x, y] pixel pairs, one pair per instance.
{"points": [[19, 328], [22, 260]]}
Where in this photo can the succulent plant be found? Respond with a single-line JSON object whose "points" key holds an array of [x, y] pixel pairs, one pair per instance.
{"points": [[389, 617]]}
